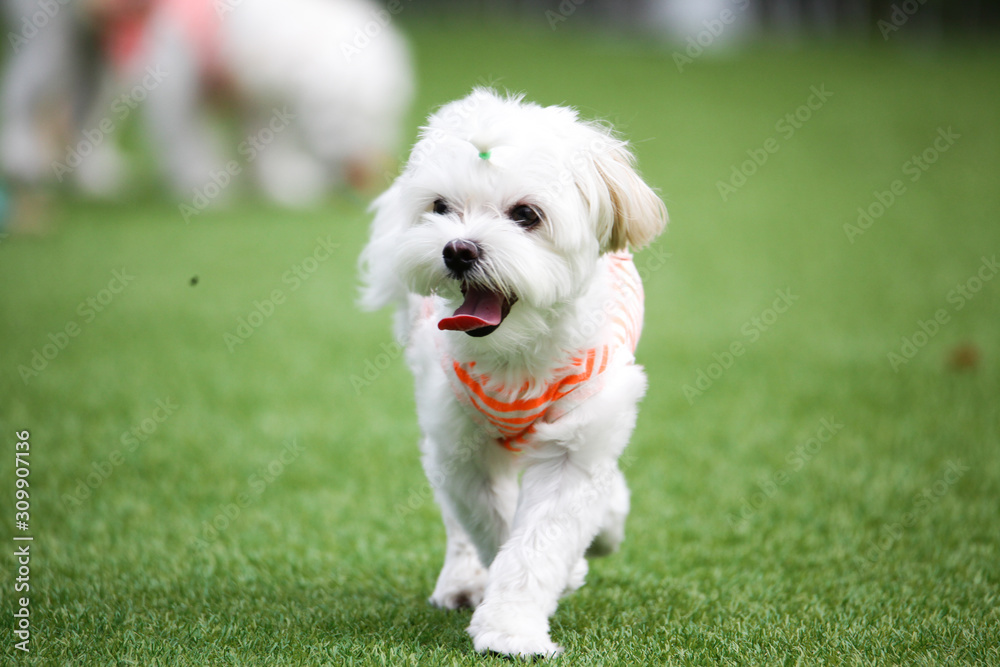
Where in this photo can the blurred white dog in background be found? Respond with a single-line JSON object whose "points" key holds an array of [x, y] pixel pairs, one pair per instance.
{"points": [[320, 87]]}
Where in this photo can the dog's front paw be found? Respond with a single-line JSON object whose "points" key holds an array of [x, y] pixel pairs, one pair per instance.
{"points": [[577, 577], [460, 586], [457, 598], [516, 647], [514, 636]]}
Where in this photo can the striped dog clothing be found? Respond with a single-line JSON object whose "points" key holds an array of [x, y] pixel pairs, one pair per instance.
{"points": [[509, 414]]}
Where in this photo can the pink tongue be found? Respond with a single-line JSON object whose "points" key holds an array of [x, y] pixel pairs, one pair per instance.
{"points": [[481, 308]]}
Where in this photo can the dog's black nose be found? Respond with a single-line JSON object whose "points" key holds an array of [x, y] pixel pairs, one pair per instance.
{"points": [[460, 256]]}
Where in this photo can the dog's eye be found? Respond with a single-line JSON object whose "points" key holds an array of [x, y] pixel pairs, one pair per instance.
{"points": [[441, 206], [526, 216]]}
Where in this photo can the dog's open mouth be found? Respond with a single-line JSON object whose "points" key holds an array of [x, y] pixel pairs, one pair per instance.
{"points": [[480, 314]]}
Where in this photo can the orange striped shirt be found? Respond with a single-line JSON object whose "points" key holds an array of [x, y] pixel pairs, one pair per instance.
{"points": [[510, 414]]}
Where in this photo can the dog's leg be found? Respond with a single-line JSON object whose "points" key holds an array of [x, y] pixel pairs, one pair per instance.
{"points": [[463, 576], [286, 172], [560, 511], [190, 152], [612, 531], [476, 488], [571, 491], [102, 173], [34, 74]]}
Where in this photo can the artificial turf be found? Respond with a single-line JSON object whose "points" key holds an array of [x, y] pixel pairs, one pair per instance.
{"points": [[800, 495]]}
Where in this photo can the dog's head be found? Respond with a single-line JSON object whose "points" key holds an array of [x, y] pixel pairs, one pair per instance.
{"points": [[503, 209]]}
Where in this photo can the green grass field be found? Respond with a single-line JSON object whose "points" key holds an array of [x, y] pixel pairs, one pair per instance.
{"points": [[816, 469]]}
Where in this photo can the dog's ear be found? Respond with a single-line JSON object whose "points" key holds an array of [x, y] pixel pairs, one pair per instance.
{"points": [[630, 214], [381, 284]]}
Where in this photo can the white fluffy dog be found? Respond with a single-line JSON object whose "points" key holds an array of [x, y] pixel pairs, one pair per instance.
{"points": [[504, 245], [338, 68], [321, 88]]}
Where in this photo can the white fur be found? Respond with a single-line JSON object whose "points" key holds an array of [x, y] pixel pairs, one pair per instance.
{"points": [[299, 55], [338, 68], [518, 525]]}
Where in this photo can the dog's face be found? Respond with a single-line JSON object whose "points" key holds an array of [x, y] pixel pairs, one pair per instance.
{"points": [[503, 210]]}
